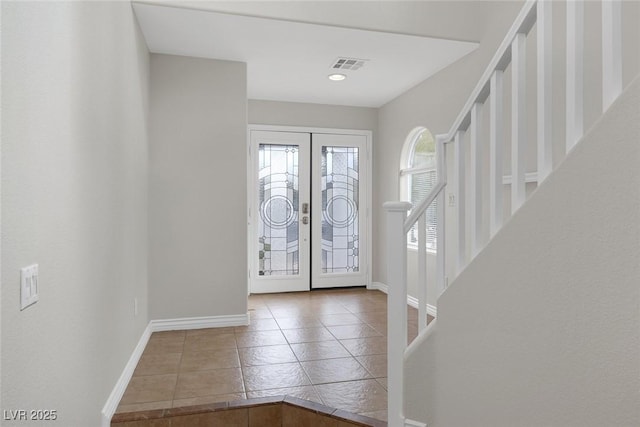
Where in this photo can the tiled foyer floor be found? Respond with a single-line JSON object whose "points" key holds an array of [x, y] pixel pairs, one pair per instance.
{"points": [[324, 346]]}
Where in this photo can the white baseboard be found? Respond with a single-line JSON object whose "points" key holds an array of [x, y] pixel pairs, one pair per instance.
{"points": [[412, 423], [199, 322], [412, 301], [121, 385], [157, 326]]}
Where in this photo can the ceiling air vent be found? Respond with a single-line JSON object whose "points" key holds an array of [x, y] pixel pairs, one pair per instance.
{"points": [[348, 63]]}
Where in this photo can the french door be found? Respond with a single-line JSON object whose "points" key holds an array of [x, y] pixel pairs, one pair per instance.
{"points": [[307, 214]]}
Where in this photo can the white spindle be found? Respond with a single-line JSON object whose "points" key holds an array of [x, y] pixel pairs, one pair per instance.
{"points": [[422, 272], [611, 51], [396, 308], [496, 144], [440, 226], [575, 72], [545, 93], [519, 121], [440, 254], [459, 165], [475, 193]]}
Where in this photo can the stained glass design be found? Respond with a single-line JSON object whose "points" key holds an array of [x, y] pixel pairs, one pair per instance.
{"points": [[278, 243], [340, 204]]}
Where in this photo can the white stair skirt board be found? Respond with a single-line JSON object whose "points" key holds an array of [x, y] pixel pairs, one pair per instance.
{"points": [[157, 326], [412, 301]]}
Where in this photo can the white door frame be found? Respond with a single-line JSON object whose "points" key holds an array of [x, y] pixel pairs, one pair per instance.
{"points": [[251, 188]]}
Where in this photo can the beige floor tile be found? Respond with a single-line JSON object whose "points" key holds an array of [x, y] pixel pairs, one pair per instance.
{"points": [[334, 370], [260, 313], [291, 311], [354, 396], [147, 406], [204, 332], [373, 316], [274, 376], [295, 336], [366, 346], [340, 319], [319, 350], [203, 400], [299, 322], [206, 383], [259, 325], [266, 355], [376, 364], [381, 326], [328, 308], [163, 344], [353, 331], [362, 306], [260, 338], [304, 392], [155, 364], [208, 360], [149, 388], [383, 382], [209, 342]]}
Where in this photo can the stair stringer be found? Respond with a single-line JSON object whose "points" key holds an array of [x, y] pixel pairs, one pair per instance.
{"points": [[543, 326]]}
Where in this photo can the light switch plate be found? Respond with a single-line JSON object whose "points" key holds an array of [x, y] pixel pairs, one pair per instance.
{"points": [[28, 286]]}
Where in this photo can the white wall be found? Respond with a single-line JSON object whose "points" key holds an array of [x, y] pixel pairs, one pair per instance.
{"points": [[197, 188], [74, 200], [542, 328]]}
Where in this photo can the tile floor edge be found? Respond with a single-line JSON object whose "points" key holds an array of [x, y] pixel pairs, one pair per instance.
{"points": [[337, 414]]}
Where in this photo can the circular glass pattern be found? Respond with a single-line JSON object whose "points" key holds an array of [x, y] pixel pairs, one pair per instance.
{"points": [[277, 212], [340, 211]]}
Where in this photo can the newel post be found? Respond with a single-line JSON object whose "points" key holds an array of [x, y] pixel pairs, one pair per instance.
{"points": [[396, 309]]}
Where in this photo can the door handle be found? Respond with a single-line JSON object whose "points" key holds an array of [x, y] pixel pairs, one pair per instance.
{"points": [[305, 220], [305, 208]]}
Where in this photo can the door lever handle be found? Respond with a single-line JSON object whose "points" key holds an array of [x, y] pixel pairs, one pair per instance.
{"points": [[305, 208]]}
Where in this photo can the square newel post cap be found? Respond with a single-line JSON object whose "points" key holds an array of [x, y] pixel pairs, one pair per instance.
{"points": [[397, 206]]}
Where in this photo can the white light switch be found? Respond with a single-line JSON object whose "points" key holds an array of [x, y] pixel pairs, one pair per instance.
{"points": [[28, 286]]}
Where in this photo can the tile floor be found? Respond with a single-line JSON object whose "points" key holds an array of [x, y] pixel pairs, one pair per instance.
{"points": [[323, 346]]}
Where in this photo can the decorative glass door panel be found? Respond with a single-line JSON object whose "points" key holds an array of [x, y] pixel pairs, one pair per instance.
{"points": [[278, 201], [338, 231], [340, 207], [307, 228], [280, 251]]}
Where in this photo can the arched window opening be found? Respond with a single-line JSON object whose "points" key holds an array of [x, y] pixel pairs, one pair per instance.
{"points": [[418, 174]]}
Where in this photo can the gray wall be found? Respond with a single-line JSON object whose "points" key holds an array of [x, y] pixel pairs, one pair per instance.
{"points": [[197, 188], [312, 115], [74, 200], [547, 334]]}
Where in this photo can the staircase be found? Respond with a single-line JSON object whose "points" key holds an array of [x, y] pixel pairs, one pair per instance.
{"points": [[478, 162]]}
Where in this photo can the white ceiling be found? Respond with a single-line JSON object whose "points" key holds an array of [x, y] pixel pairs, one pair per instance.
{"points": [[290, 61]]}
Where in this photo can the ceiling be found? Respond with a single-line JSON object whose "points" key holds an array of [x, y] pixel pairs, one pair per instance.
{"points": [[289, 60]]}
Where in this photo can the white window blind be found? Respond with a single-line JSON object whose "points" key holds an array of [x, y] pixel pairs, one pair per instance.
{"points": [[419, 172]]}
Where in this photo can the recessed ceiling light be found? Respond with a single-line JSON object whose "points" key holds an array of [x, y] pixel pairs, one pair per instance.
{"points": [[337, 77]]}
